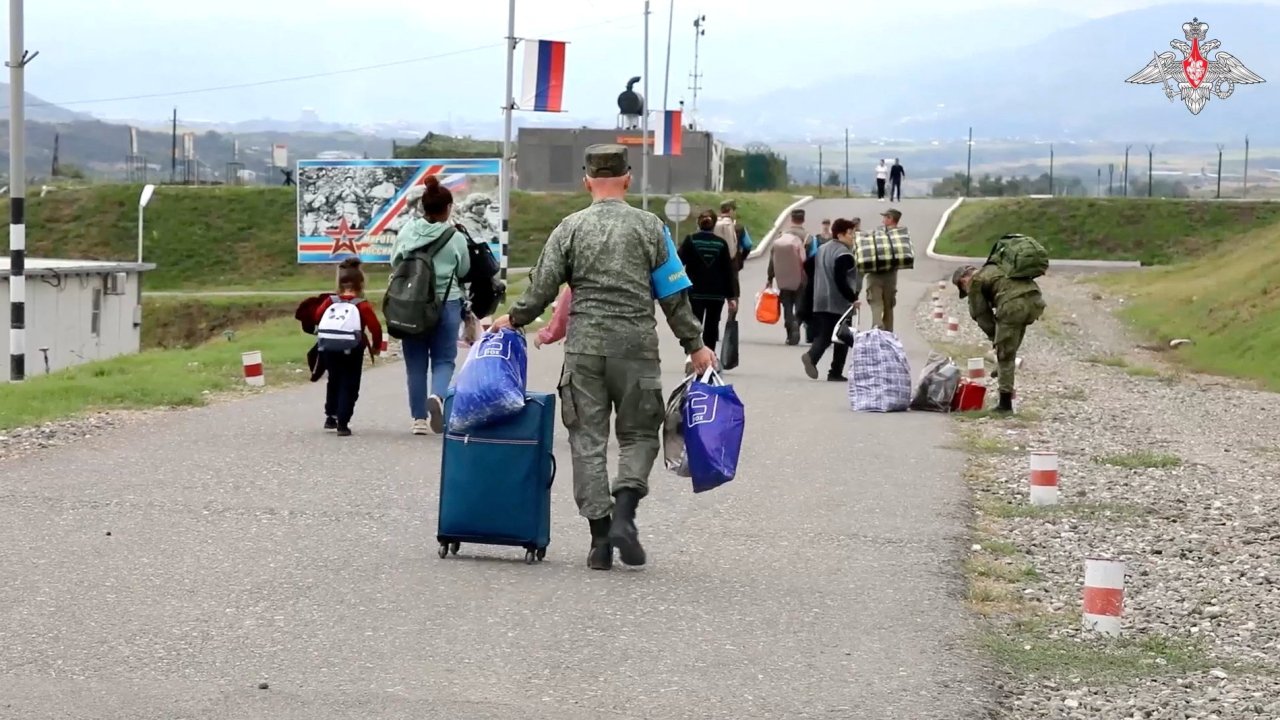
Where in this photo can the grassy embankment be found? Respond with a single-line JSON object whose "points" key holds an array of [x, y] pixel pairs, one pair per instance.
{"points": [[1217, 279], [229, 238]]}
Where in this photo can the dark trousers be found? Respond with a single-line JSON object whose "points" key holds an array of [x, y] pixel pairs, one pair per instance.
{"points": [[343, 390], [824, 324], [790, 300], [708, 313], [895, 189], [880, 188]]}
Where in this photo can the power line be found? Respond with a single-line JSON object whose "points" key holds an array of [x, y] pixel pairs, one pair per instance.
{"points": [[297, 78]]}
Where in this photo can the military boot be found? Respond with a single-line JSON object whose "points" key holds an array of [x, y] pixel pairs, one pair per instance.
{"points": [[1006, 402], [623, 533], [600, 557]]}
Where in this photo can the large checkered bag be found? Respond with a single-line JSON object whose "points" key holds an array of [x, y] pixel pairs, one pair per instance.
{"points": [[884, 250], [879, 374]]}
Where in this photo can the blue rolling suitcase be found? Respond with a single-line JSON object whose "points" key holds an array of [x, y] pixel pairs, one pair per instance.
{"points": [[495, 482]]}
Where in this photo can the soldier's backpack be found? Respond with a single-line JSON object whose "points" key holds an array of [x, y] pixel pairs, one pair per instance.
{"points": [[1022, 257], [484, 288], [411, 306], [340, 328]]}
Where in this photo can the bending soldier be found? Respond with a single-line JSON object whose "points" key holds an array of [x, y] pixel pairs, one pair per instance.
{"points": [[617, 260], [1003, 307]]}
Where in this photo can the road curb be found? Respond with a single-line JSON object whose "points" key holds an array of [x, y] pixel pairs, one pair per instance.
{"points": [[783, 217], [942, 224]]}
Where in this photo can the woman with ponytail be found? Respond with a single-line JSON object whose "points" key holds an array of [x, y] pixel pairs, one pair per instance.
{"points": [[429, 359]]}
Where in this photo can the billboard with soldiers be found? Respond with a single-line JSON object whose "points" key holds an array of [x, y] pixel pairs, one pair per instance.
{"points": [[356, 207]]}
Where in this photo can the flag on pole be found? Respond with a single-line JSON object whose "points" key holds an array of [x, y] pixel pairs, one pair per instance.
{"points": [[668, 136], [543, 89]]}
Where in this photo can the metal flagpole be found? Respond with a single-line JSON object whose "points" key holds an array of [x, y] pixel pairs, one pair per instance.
{"points": [[504, 185], [18, 60], [644, 129], [666, 80]]}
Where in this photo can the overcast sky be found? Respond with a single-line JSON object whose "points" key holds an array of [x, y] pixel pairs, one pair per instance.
{"points": [[92, 50]]}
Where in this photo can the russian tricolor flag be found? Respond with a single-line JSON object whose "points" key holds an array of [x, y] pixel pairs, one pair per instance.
{"points": [[668, 136], [543, 89]]}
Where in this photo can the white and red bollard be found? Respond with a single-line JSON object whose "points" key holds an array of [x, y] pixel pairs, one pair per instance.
{"points": [[977, 369], [1044, 478], [953, 327], [252, 362], [942, 286], [1103, 595], [938, 314]]}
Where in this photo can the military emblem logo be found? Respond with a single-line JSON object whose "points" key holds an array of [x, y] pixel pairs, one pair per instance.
{"points": [[1195, 77]]}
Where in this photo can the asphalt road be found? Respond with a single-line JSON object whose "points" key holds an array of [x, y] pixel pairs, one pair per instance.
{"points": [[247, 545]]}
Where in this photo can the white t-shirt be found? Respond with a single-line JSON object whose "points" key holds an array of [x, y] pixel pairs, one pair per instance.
{"points": [[882, 172]]}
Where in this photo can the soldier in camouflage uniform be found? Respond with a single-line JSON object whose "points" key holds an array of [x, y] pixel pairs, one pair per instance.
{"points": [[1003, 307], [608, 254]]}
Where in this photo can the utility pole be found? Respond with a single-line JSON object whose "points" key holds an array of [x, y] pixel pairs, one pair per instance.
{"points": [[846, 162], [1099, 182], [1219, 171], [1245, 192], [1111, 179], [173, 156], [18, 59], [644, 130], [1150, 171], [508, 107], [820, 178], [699, 29], [1126, 169], [1051, 169], [968, 166]]}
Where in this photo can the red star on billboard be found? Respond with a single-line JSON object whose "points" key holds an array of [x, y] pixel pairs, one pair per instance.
{"points": [[343, 238]]}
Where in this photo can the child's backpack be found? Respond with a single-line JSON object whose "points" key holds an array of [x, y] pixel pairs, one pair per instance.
{"points": [[411, 305], [1022, 257], [340, 328], [484, 289]]}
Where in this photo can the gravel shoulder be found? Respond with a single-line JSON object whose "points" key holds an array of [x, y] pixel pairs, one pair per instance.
{"points": [[1172, 472]]}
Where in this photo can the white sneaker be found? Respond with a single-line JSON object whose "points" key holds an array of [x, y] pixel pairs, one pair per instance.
{"points": [[421, 427], [435, 414]]}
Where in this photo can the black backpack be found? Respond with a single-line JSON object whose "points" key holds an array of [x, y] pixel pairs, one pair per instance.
{"points": [[411, 305], [485, 290]]}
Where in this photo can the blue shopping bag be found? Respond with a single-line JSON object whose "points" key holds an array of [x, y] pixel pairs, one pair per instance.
{"points": [[714, 420], [490, 386]]}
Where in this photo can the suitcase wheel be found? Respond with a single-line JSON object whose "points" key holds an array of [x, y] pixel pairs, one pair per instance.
{"points": [[449, 548], [533, 555]]}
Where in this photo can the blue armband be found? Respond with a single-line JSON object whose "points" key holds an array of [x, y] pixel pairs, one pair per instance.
{"points": [[669, 278]]}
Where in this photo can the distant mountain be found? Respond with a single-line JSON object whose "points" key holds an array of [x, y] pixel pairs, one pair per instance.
{"points": [[1070, 84], [39, 110]]}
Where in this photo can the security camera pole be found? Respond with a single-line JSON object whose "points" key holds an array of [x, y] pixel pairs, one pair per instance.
{"points": [[18, 60]]}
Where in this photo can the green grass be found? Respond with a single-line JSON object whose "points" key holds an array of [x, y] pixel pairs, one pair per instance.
{"points": [[158, 378], [1008, 510], [1227, 303], [1156, 232], [1098, 660], [244, 238], [1140, 459]]}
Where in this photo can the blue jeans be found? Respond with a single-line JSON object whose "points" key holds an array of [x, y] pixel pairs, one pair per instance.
{"points": [[436, 350]]}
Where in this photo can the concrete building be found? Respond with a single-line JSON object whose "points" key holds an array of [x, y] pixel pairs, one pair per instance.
{"points": [[550, 160], [77, 310]]}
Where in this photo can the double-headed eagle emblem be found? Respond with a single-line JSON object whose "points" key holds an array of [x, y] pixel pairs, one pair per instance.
{"points": [[1195, 77]]}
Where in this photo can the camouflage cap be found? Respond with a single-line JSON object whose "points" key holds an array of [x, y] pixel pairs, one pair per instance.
{"points": [[606, 161], [958, 275], [892, 213]]}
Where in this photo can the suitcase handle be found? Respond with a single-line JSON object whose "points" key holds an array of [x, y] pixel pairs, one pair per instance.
{"points": [[552, 479]]}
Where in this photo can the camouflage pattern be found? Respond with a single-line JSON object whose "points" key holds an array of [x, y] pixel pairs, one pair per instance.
{"points": [[606, 253], [882, 295], [606, 161], [590, 385], [1003, 307]]}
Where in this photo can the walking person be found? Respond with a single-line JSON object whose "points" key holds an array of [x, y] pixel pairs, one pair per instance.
{"points": [[433, 355], [882, 287], [835, 290], [343, 323], [618, 260], [896, 173], [882, 175], [786, 267], [714, 276]]}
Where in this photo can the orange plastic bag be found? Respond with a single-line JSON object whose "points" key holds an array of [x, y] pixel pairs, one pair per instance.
{"points": [[768, 307]]}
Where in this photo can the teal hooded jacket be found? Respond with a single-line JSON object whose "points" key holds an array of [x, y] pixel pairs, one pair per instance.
{"points": [[451, 262]]}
